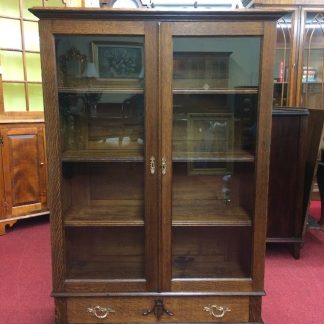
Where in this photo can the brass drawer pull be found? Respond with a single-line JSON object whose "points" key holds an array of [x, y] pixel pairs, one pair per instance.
{"points": [[100, 312], [152, 165], [164, 166], [217, 311]]}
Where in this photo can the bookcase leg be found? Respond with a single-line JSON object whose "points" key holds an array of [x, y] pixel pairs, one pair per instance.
{"points": [[296, 250], [60, 311], [255, 309], [3, 226]]}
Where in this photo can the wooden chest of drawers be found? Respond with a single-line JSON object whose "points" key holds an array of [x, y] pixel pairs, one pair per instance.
{"points": [[172, 309]]}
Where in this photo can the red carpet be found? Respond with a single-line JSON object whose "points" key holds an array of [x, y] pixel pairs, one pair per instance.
{"points": [[295, 288], [25, 272]]}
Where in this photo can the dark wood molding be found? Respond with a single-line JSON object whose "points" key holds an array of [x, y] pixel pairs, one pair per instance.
{"points": [[162, 294], [164, 15]]}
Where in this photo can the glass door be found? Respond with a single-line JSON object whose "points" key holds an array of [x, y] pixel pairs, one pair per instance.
{"points": [[210, 176], [312, 69], [108, 165], [285, 61]]}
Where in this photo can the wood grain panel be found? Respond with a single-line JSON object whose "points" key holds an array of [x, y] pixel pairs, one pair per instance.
{"points": [[165, 113], [286, 182], [24, 169], [185, 310], [227, 286], [17, 117], [24, 165], [255, 309], [151, 184], [217, 28], [263, 153], [97, 27], [95, 287], [53, 150]]}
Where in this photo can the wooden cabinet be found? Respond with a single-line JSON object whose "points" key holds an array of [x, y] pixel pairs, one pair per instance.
{"points": [[23, 172], [286, 180], [158, 167], [298, 72], [295, 138], [298, 78]]}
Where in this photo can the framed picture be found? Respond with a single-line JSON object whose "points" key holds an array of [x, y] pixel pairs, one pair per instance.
{"points": [[71, 66], [119, 61], [210, 136]]}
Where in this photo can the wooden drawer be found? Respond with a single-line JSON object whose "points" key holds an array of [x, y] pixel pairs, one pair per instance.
{"points": [[185, 310]]}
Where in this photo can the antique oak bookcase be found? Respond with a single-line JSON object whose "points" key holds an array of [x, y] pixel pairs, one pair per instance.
{"points": [[158, 135]]}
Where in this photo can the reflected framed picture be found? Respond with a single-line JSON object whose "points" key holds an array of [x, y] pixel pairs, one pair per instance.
{"points": [[210, 141], [119, 61], [201, 70], [71, 67]]}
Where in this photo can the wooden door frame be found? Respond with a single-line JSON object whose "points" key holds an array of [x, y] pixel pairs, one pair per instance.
{"points": [[30, 129], [267, 32], [48, 29], [302, 19]]}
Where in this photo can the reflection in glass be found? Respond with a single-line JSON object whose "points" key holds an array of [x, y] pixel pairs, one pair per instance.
{"points": [[112, 124], [209, 63], [215, 105], [313, 62], [101, 96], [101, 107], [100, 62], [282, 60], [14, 96]]}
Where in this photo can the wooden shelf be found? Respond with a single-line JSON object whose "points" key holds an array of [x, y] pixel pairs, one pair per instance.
{"points": [[313, 82], [236, 156], [109, 156], [140, 91], [208, 213], [101, 156], [206, 266], [99, 90], [282, 48], [112, 267], [216, 91], [114, 213]]}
